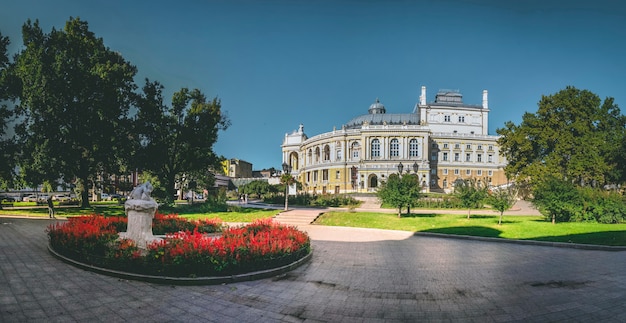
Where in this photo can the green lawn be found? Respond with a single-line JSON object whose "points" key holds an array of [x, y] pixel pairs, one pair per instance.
{"points": [[243, 215], [513, 227]]}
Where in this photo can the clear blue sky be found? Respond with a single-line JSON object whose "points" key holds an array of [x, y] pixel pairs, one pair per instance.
{"points": [[276, 64]]}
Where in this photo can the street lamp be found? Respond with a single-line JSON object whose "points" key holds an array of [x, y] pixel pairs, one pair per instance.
{"points": [[287, 171], [400, 168], [415, 167]]}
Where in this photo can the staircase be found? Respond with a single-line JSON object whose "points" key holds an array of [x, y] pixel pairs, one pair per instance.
{"points": [[368, 202], [297, 217]]}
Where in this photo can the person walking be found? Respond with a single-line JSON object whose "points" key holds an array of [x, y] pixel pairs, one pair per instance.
{"points": [[50, 208]]}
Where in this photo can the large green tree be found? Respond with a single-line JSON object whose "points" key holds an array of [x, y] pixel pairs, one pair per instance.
{"points": [[73, 100], [573, 134], [400, 191], [178, 139], [7, 145]]}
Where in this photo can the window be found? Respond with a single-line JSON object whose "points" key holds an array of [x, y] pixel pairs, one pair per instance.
{"points": [[490, 173], [468, 172], [468, 157], [309, 157], [337, 175], [480, 147], [326, 153], [445, 146], [490, 158], [413, 148], [479, 158], [433, 171], [317, 154], [339, 154], [461, 119], [479, 172], [456, 171], [308, 176], [394, 148], [355, 150], [375, 151], [445, 171], [445, 157], [433, 145], [433, 156], [490, 147], [325, 174], [457, 146], [456, 157], [446, 118], [468, 147], [315, 176]]}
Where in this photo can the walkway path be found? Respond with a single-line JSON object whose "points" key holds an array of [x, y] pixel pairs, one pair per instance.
{"points": [[355, 275]]}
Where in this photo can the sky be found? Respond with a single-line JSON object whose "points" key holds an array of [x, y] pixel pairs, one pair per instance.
{"points": [[277, 64]]}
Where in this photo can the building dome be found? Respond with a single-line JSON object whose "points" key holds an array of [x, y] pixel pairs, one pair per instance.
{"points": [[377, 108]]}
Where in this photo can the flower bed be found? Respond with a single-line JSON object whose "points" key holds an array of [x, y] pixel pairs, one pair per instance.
{"points": [[188, 250]]}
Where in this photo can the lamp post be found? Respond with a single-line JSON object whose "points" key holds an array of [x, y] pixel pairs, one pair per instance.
{"points": [[400, 168], [287, 171]]}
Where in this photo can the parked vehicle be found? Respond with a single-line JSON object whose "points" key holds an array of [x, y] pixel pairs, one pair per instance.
{"points": [[7, 199], [29, 198], [61, 197]]}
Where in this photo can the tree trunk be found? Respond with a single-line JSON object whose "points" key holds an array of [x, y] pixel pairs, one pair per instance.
{"points": [[84, 194], [400, 212], [500, 221], [553, 218], [468, 213]]}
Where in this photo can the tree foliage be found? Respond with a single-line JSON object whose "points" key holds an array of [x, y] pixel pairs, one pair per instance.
{"points": [[400, 191], [74, 94], [179, 138], [502, 200], [7, 144], [257, 188], [471, 193], [572, 134]]}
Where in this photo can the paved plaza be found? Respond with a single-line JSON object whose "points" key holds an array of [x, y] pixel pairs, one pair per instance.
{"points": [[355, 275]]}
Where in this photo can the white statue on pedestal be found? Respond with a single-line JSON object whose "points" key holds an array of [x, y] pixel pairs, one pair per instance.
{"points": [[140, 209]]}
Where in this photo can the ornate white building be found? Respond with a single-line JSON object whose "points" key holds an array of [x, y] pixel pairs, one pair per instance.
{"points": [[442, 141]]}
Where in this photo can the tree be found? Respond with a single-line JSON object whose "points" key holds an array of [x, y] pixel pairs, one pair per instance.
{"points": [[7, 144], [258, 188], [74, 95], [179, 139], [471, 193], [400, 191], [502, 200], [557, 198], [572, 134]]}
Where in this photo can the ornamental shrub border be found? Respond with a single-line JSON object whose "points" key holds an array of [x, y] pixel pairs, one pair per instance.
{"points": [[189, 249]]}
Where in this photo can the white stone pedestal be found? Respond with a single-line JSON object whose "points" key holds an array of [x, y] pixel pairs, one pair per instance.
{"points": [[140, 214]]}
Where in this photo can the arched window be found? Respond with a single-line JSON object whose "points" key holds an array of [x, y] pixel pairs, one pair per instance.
{"points": [[317, 154], [375, 150], [309, 157], [326, 153], [394, 148], [355, 149], [413, 148]]}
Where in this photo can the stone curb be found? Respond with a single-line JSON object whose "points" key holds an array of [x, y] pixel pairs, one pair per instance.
{"points": [[217, 280], [524, 242]]}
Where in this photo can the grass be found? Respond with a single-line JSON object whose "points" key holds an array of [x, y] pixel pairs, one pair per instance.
{"points": [[513, 227], [111, 209]]}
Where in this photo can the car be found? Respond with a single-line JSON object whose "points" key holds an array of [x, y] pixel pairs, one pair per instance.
{"points": [[29, 198], [7, 199], [115, 197], [61, 197]]}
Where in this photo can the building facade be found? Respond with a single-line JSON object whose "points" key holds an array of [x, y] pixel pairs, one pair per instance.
{"points": [[442, 141], [237, 168]]}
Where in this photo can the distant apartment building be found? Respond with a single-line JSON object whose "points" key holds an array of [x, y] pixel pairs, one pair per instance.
{"points": [[237, 168]]}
